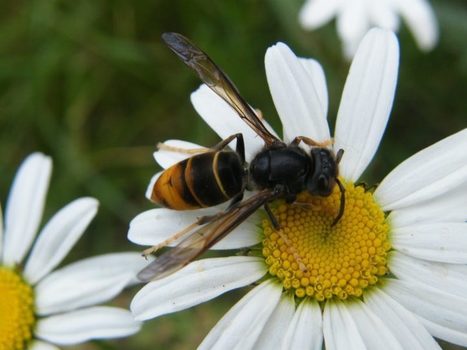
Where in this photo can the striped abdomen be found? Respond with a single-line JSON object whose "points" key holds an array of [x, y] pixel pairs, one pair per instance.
{"points": [[204, 180]]}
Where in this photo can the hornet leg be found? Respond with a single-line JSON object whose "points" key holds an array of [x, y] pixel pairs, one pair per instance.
{"points": [[311, 142]]}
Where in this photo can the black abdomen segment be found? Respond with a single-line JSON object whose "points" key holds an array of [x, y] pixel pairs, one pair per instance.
{"points": [[214, 177]]}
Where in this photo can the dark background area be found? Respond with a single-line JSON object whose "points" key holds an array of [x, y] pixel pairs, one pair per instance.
{"points": [[91, 84]]}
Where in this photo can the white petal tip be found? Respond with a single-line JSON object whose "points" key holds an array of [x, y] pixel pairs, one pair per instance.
{"points": [[90, 203], [277, 49], [378, 34]]}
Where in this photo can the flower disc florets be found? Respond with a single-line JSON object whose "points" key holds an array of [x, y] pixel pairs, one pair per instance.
{"points": [[315, 259], [16, 311]]}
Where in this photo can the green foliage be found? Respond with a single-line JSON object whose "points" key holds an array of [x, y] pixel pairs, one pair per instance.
{"points": [[91, 84]]}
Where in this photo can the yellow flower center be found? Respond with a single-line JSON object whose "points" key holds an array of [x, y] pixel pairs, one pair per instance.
{"points": [[312, 258], [16, 311]]}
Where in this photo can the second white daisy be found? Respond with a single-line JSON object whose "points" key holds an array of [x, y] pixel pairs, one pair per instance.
{"points": [[41, 308]]}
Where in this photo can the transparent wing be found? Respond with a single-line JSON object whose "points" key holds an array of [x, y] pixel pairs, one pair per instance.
{"points": [[203, 238], [216, 79]]}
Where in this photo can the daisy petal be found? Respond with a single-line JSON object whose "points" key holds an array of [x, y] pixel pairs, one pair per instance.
{"points": [[427, 174], [295, 95], [372, 329], [166, 158], [339, 328], [383, 15], [316, 74], [448, 207], [198, 282], [443, 314], [403, 324], [446, 333], [447, 278], [86, 324], [242, 325], [443, 242], [25, 206], [279, 320], [350, 46], [40, 345], [316, 13], [156, 225], [224, 120], [305, 329], [352, 24], [366, 101], [87, 282], [150, 187], [58, 237], [245, 235], [153, 226], [421, 20]]}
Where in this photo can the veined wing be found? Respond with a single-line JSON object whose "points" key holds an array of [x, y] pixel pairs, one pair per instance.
{"points": [[218, 81], [204, 237]]}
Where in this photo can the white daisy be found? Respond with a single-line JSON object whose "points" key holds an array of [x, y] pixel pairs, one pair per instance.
{"points": [[41, 308], [391, 274], [355, 17]]}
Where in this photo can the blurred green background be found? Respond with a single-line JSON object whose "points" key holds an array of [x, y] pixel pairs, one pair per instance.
{"points": [[91, 84]]}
